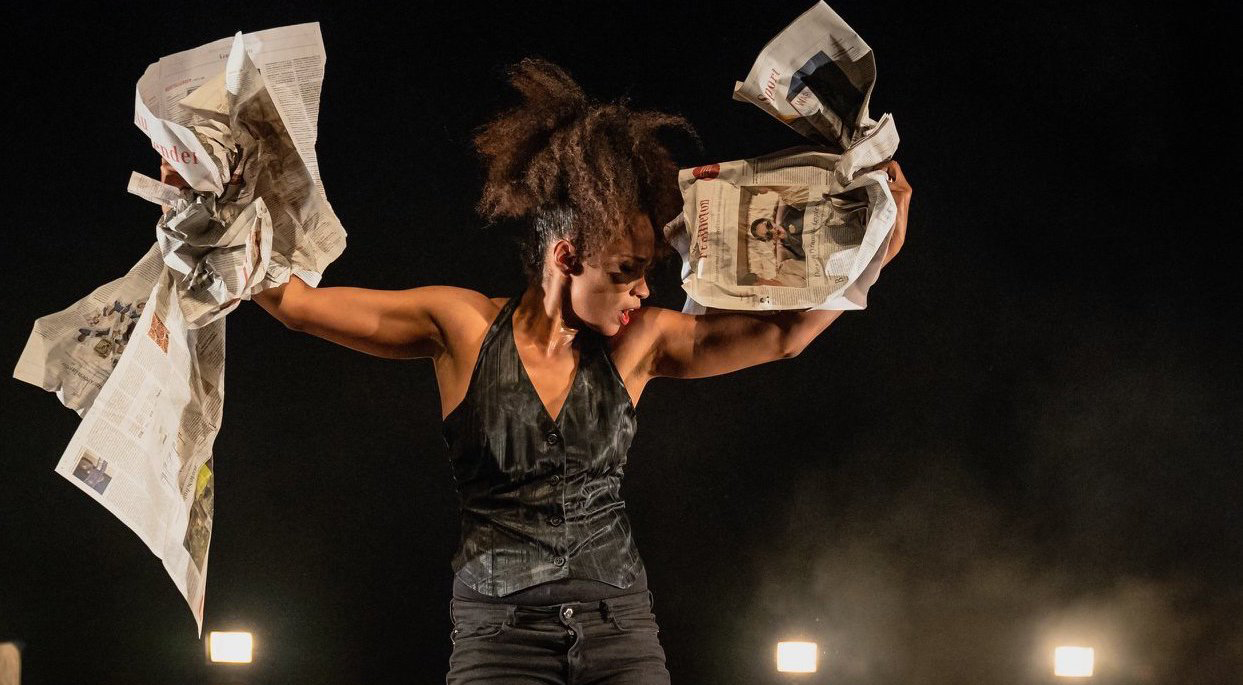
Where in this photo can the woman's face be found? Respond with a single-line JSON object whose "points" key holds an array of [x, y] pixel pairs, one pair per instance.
{"points": [[614, 280]]}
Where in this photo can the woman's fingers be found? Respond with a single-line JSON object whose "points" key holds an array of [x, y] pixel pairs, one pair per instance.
{"points": [[170, 176], [893, 172], [901, 191], [897, 180]]}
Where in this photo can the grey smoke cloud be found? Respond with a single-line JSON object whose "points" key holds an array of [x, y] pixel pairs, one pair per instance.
{"points": [[909, 566], [928, 583]]}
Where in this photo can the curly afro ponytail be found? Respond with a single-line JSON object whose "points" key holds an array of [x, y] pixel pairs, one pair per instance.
{"points": [[575, 168]]}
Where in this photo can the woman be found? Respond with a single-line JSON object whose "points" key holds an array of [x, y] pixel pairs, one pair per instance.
{"points": [[538, 390]]}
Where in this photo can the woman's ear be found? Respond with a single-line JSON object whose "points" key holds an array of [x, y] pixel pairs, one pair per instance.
{"points": [[565, 259]]}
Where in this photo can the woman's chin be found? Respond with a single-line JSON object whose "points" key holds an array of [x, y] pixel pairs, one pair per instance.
{"points": [[607, 330]]}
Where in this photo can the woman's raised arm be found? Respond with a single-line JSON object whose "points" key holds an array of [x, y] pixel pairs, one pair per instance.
{"points": [[397, 324], [719, 342]]}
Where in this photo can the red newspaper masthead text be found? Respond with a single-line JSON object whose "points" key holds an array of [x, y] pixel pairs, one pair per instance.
{"points": [[706, 171]]}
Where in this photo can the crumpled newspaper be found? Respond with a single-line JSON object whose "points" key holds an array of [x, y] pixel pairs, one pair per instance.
{"points": [[141, 358], [218, 241], [806, 227], [219, 251]]}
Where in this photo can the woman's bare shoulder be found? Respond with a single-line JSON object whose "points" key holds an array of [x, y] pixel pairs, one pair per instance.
{"points": [[461, 314], [455, 303], [634, 342], [463, 326]]}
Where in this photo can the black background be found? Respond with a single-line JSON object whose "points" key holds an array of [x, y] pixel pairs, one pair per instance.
{"points": [[1030, 435]]}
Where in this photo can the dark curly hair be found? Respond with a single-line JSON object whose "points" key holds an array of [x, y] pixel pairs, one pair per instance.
{"points": [[574, 168]]}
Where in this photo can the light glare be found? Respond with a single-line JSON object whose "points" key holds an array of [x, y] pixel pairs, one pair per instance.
{"points": [[1074, 662], [232, 648], [796, 657]]}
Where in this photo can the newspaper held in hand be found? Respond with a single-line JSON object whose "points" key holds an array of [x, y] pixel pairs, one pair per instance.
{"points": [[805, 227], [142, 357]]}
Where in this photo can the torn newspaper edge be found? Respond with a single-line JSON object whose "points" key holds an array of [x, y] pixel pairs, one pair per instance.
{"points": [[141, 358], [805, 227]]}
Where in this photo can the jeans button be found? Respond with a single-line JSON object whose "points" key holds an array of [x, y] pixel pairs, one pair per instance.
{"points": [[559, 560], [567, 613], [552, 438], [555, 521], [556, 478]]}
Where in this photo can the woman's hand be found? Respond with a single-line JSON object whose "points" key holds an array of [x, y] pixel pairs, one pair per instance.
{"points": [[169, 176], [901, 191]]}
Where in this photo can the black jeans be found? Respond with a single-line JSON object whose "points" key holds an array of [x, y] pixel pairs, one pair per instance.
{"points": [[606, 642]]}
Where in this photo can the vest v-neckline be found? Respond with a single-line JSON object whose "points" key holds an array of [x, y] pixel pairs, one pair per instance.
{"points": [[522, 367]]}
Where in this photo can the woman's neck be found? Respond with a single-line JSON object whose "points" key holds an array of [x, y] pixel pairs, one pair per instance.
{"points": [[541, 321]]}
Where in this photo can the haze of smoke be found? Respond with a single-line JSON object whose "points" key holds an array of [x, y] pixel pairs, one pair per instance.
{"points": [[927, 583], [1112, 522]]}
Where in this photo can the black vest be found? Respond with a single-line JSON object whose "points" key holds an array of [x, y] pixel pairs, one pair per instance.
{"points": [[541, 498]]}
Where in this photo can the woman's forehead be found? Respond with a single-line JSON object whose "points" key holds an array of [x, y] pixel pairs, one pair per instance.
{"points": [[630, 253], [637, 242]]}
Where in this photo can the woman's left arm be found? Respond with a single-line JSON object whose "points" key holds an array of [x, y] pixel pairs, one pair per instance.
{"points": [[715, 343]]}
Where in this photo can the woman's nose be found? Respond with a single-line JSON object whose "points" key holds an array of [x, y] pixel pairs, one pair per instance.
{"points": [[640, 289]]}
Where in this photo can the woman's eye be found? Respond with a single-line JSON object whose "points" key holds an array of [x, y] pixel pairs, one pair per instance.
{"points": [[632, 272]]}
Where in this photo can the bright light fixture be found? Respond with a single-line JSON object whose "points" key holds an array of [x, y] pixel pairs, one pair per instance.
{"points": [[796, 657], [231, 648], [1073, 662]]}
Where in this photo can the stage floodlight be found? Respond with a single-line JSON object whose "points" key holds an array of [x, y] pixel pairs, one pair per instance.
{"points": [[230, 647], [1074, 662], [796, 657]]}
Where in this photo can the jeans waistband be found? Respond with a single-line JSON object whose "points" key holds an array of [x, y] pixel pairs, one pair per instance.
{"points": [[488, 611]]}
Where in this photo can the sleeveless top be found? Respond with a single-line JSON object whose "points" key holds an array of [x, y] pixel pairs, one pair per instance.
{"points": [[540, 496]]}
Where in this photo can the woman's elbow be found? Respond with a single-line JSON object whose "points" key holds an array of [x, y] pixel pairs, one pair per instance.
{"points": [[291, 323], [276, 303]]}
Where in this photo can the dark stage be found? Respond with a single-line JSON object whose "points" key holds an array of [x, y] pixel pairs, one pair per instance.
{"points": [[1031, 435]]}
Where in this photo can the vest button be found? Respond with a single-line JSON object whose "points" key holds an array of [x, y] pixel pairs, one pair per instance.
{"points": [[556, 520], [552, 438], [559, 560]]}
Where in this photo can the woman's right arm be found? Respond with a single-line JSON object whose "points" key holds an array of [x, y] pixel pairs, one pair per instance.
{"points": [[396, 324]]}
